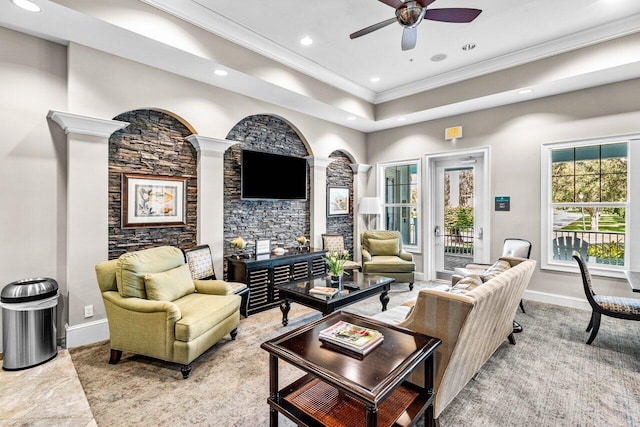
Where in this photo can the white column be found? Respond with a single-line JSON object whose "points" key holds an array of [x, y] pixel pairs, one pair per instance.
{"points": [[211, 195], [360, 177], [87, 228], [318, 168]]}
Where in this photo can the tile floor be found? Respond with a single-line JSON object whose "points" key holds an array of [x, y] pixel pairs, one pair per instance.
{"points": [[46, 395]]}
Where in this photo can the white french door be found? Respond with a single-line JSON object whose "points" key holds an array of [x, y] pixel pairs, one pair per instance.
{"points": [[458, 211]]}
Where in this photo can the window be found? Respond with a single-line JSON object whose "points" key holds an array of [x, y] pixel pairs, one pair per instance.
{"points": [[586, 204], [401, 200]]}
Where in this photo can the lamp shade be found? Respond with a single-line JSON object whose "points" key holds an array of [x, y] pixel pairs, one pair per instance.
{"points": [[370, 206]]}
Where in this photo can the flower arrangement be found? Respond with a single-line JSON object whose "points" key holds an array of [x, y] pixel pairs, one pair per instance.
{"points": [[335, 261]]}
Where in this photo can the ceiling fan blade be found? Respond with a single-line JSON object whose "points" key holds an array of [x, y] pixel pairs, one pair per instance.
{"points": [[425, 3], [453, 14], [373, 27], [409, 38], [393, 3]]}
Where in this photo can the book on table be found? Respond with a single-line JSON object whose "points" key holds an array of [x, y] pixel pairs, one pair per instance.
{"points": [[355, 339], [323, 291]]}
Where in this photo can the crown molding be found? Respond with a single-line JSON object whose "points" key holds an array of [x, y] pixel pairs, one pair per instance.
{"points": [[575, 41], [203, 17], [209, 20]]}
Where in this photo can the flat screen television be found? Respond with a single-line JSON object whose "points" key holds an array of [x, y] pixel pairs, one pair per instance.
{"points": [[267, 176]]}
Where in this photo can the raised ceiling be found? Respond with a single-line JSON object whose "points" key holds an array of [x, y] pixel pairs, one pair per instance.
{"points": [[505, 34], [509, 36]]}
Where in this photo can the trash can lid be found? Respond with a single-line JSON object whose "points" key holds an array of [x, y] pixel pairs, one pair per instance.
{"points": [[29, 290]]}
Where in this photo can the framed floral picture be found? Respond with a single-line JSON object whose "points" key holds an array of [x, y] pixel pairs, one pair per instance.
{"points": [[153, 201], [337, 200]]}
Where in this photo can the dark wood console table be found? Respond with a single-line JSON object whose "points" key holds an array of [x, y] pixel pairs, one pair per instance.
{"points": [[264, 274], [341, 390]]}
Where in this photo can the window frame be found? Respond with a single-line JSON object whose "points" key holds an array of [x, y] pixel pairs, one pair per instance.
{"points": [[632, 248], [381, 187]]}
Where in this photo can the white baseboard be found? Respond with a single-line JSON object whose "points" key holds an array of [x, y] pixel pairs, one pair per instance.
{"points": [[555, 299], [87, 333]]}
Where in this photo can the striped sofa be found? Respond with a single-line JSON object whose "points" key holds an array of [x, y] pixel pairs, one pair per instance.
{"points": [[471, 326]]}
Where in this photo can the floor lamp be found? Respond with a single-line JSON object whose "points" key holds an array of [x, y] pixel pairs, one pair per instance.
{"points": [[370, 206]]}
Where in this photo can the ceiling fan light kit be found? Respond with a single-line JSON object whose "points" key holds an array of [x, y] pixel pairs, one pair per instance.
{"points": [[410, 14]]}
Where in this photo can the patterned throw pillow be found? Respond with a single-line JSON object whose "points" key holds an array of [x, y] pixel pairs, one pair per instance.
{"points": [[201, 265], [499, 267], [466, 284]]}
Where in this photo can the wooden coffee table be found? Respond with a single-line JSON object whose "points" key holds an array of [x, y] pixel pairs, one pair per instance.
{"points": [[355, 287], [343, 390]]}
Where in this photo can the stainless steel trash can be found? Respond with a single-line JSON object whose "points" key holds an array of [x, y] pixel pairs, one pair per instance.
{"points": [[29, 322]]}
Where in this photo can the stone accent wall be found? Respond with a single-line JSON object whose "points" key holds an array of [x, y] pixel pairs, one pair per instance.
{"points": [[279, 221], [339, 173], [154, 144]]}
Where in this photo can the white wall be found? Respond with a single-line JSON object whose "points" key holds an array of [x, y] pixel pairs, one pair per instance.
{"points": [[515, 134], [32, 187]]}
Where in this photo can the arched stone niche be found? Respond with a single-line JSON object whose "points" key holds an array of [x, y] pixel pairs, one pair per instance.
{"points": [[339, 173], [279, 221], [153, 144]]}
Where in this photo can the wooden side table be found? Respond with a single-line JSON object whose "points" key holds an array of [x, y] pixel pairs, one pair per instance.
{"points": [[343, 390]]}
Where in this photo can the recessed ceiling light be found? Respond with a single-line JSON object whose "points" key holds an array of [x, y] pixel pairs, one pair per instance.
{"points": [[351, 118], [525, 91], [374, 79], [27, 5], [220, 72], [469, 46], [438, 57], [306, 41]]}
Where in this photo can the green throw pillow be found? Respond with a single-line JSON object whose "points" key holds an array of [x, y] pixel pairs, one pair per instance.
{"points": [[169, 285], [384, 247], [132, 266]]}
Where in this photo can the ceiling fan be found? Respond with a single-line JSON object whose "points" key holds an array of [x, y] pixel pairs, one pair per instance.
{"points": [[411, 12]]}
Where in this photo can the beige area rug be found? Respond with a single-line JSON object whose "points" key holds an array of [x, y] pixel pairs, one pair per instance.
{"points": [[550, 378]]}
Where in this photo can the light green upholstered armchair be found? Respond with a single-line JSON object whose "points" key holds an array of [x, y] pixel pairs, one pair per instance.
{"points": [[155, 309], [383, 255]]}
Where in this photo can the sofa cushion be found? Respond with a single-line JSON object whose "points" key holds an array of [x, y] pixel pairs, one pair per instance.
{"points": [[169, 285], [498, 267], [384, 246], [394, 315], [466, 284], [132, 267], [389, 264], [201, 312]]}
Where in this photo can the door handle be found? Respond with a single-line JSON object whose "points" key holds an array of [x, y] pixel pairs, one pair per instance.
{"points": [[480, 233], [436, 231]]}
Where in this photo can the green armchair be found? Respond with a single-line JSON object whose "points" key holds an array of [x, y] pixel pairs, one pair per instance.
{"points": [[155, 309], [383, 255]]}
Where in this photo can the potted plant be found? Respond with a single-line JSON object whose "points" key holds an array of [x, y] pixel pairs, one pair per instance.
{"points": [[335, 261]]}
